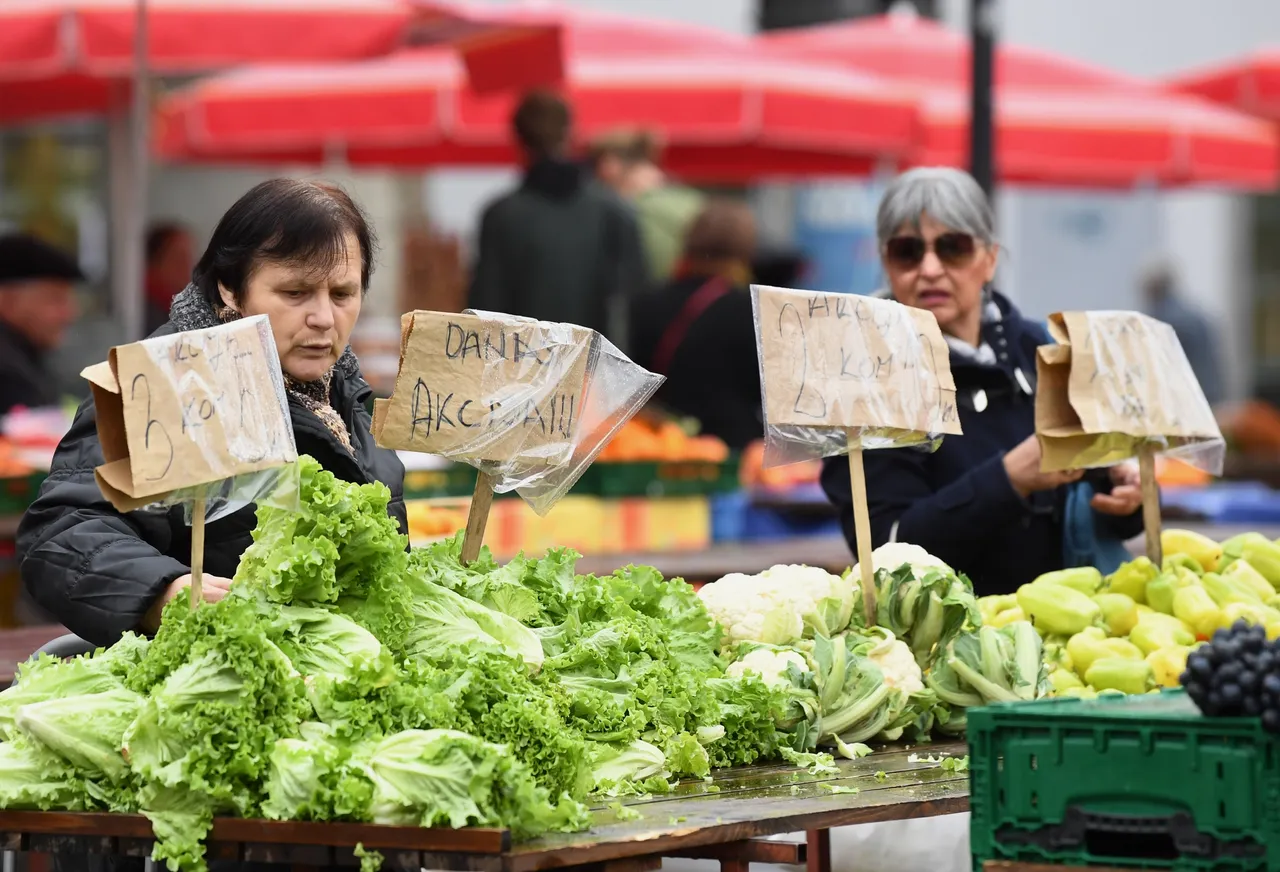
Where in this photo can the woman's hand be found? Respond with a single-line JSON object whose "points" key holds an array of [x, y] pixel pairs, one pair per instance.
{"points": [[1126, 492], [1022, 464], [212, 589]]}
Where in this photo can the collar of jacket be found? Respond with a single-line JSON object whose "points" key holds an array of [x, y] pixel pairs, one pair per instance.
{"points": [[554, 177]]}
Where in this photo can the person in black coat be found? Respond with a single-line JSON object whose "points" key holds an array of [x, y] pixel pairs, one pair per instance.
{"points": [[300, 253], [699, 330], [979, 502]]}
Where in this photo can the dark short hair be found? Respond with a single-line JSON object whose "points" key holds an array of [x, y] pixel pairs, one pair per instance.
{"points": [[160, 235], [542, 122], [284, 221]]}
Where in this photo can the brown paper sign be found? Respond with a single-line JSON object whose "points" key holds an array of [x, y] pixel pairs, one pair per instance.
{"points": [[487, 389], [849, 361], [189, 409], [1115, 381]]}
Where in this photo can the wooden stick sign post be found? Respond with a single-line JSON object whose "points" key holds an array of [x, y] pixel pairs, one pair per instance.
{"points": [[842, 373], [185, 416], [1118, 385], [502, 394]]}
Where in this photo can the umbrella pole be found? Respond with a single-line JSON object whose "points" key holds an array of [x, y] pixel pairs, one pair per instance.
{"points": [[130, 275], [981, 120]]}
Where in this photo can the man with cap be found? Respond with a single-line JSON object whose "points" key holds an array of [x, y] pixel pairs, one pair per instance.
{"points": [[37, 305]]}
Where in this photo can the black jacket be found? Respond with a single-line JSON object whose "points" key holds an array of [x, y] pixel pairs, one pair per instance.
{"points": [[957, 502], [714, 373], [558, 248], [98, 571], [24, 378]]}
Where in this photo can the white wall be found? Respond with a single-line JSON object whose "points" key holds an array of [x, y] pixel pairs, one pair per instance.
{"points": [[1206, 232]]}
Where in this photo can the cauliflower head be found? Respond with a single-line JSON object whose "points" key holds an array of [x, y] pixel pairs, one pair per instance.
{"points": [[892, 555], [825, 601], [898, 664], [770, 663], [752, 609]]}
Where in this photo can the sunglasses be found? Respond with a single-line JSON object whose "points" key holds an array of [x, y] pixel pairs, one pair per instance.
{"points": [[953, 249]]}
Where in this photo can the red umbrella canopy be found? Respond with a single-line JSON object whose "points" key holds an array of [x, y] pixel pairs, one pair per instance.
{"points": [[724, 116], [1251, 84], [61, 57], [1058, 121]]}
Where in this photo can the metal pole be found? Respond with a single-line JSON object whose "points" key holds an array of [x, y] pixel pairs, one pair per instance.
{"points": [[981, 130], [131, 274]]}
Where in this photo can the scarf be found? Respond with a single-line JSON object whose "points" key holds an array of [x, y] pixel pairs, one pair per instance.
{"points": [[191, 311]]}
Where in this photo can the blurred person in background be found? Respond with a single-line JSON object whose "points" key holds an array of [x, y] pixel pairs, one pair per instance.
{"points": [[169, 258], [301, 253], [1161, 300], [37, 305], [558, 247], [699, 330], [627, 161], [979, 502]]}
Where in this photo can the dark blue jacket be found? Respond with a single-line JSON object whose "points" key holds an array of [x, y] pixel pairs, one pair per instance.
{"points": [[957, 502]]}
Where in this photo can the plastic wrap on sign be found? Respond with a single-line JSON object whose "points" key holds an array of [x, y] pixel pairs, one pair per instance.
{"points": [[1117, 381], [530, 403], [839, 371], [196, 414]]}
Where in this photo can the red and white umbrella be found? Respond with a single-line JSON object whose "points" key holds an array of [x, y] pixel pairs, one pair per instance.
{"points": [[1058, 121], [724, 115], [1250, 84]]}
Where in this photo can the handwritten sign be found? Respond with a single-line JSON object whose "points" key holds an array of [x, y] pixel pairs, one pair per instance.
{"points": [[1115, 381], [189, 409], [478, 389], [846, 361]]}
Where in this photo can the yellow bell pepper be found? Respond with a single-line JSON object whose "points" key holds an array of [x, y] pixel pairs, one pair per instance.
{"points": [[1251, 613], [1222, 589], [1162, 588], [1232, 548], [990, 606], [1168, 664], [1242, 573], [1061, 680], [1007, 617], [1174, 561], [1199, 548], [1086, 579], [1092, 644], [1131, 579], [1264, 557], [1193, 606], [1055, 608], [1121, 674], [1119, 612], [1156, 631]]}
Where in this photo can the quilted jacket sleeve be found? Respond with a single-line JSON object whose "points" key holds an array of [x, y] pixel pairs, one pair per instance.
{"points": [[95, 569]]}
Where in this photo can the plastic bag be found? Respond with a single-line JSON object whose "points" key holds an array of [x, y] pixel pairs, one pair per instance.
{"points": [[196, 414], [1117, 381], [530, 403], [839, 371]]}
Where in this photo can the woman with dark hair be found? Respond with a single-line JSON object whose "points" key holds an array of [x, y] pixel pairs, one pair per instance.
{"points": [[300, 253]]}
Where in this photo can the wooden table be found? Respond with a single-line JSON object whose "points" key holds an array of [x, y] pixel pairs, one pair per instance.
{"points": [[724, 819]]}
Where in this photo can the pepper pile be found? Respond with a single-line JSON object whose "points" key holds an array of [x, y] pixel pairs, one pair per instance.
{"points": [[1133, 630]]}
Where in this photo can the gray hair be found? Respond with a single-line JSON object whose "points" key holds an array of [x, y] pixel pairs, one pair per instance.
{"points": [[950, 196]]}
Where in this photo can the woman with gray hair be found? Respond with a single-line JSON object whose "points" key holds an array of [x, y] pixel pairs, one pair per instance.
{"points": [[980, 502]]}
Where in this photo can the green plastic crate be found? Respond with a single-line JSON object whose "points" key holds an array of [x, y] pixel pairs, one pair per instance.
{"points": [[675, 478], [1139, 781], [17, 493]]}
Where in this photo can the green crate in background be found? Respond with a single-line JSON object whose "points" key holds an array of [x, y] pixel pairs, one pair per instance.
{"points": [[18, 492], [668, 478], [1138, 781], [456, 480]]}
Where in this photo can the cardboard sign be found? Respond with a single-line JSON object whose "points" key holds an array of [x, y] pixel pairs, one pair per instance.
{"points": [[846, 361], [189, 409], [1115, 381], [487, 389]]}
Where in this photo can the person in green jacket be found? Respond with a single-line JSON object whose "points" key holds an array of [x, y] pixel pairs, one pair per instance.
{"points": [[627, 162]]}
